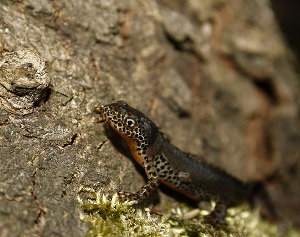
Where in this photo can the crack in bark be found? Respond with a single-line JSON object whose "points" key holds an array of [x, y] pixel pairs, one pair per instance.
{"points": [[100, 146], [186, 45], [71, 142], [263, 83], [41, 210], [266, 85]]}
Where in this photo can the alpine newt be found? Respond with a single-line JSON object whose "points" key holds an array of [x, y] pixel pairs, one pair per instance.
{"points": [[165, 163]]}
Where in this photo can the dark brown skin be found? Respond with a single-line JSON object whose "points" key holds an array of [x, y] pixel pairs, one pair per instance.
{"points": [[165, 163]]}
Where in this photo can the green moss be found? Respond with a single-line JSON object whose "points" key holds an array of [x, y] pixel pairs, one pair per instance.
{"points": [[114, 218]]}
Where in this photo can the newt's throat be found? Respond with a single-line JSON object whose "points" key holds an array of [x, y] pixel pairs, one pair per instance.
{"points": [[134, 149], [135, 152]]}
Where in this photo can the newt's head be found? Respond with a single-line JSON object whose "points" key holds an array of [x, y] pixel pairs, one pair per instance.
{"points": [[128, 122]]}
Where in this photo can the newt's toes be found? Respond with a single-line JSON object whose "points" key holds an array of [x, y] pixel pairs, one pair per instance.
{"points": [[126, 196], [215, 221]]}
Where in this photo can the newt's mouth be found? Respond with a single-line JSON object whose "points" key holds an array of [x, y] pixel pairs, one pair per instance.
{"points": [[100, 110]]}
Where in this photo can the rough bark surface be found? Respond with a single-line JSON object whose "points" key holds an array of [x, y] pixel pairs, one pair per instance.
{"points": [[215, 75]]}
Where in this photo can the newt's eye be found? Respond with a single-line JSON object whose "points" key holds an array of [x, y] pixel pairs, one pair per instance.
{"points": [[130, 122]]}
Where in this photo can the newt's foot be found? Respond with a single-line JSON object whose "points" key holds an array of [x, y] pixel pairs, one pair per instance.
{"points": [[215, 221], [127, 196], [142, 193], [217, 216]]}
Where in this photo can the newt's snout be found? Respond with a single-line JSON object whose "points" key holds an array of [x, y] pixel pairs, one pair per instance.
{"points": [[100, 110]]}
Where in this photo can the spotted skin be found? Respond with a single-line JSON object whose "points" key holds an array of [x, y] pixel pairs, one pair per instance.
{"points": [[137, 137], [164, 163]]}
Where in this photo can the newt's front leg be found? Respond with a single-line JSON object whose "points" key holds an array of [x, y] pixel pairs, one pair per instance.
{"points": [[146, 189], [142, 193]]}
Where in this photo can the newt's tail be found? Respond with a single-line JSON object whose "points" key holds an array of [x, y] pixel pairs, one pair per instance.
{"points": [[259, 196]]}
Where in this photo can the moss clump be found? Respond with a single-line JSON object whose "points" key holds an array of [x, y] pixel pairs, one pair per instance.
{"points": [[115, 218]]}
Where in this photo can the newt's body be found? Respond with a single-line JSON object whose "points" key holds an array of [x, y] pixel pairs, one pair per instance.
{"points": [[165, 163]]}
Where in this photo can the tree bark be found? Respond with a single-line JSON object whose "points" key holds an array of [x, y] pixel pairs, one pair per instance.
{"points": [[216, 76]]}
